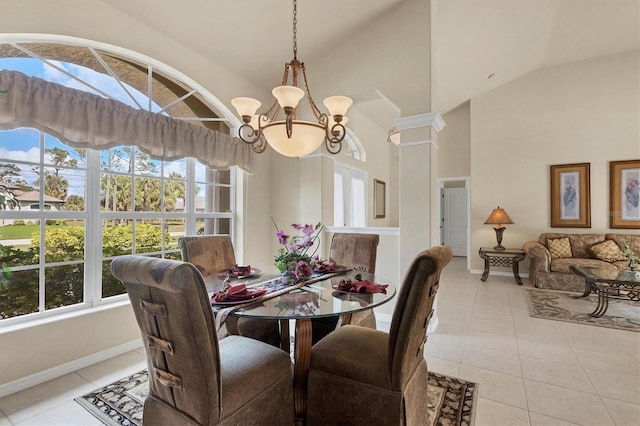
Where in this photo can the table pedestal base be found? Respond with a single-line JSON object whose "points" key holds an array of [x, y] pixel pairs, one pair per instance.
{"points": [[302, 348]]}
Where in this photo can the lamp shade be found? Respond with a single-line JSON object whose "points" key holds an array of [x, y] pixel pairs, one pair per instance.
{"points": [[246, 106], [305, 138], [288, 96], [337, 105], [498, 217]]}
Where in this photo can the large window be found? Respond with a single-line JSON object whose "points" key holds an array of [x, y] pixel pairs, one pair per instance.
{"points": [[65, 213], [350, 197]]}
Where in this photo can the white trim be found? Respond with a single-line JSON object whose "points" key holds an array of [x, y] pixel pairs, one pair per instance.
{"points": [[69, 367], [432, 119], [368, 230], [84, 42], [416, 143], [51, 316]]}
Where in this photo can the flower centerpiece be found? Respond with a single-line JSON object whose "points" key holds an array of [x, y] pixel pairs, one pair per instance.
{"points": [[295, 259]]}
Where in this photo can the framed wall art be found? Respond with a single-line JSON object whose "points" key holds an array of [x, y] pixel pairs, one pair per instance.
{"points": [[379, 199], [624, 194], [570, 196]]}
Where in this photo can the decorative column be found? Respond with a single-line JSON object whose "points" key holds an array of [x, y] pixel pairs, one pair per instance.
{"points": [[418, 172]]}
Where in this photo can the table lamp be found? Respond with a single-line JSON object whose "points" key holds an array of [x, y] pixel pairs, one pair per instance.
{"points": [[498, 217]]}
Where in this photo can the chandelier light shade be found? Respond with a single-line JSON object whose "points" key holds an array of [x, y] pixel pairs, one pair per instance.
{"points": [[498, 217], [394, 136], [289, 135]]}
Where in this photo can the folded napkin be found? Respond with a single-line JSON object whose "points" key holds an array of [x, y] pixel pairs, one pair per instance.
{"points": [[364, 286], [237, 270], [324, 266], [236, 293]]}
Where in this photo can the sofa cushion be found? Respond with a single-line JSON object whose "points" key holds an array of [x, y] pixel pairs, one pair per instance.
{"points": [[580, 243], [607, 251], [621, 239], [559, 247], [564, 265]]}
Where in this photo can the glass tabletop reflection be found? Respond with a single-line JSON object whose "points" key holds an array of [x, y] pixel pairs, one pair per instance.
{"points": [[315, 300]]}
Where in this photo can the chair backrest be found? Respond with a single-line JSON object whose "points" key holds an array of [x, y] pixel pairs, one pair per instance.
{"points": [[412, 313], [209, 253], [355, 250], [172, 308]]}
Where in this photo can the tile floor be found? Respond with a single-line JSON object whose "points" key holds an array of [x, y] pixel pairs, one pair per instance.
{"points": [[531, 371]]}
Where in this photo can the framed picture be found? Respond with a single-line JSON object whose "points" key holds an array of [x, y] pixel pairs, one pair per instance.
{"points": [[378, 199], [624, 194], [570, 196]]}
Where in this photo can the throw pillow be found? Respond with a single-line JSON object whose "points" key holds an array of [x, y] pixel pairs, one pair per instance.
{"points": [[559, 247], [608, 251]]}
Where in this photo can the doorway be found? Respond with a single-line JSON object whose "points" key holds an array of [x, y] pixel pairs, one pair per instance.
{"points": [[454, 206]]}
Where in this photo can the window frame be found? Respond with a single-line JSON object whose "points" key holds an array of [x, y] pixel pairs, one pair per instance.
{"points": [[349, 174], [93, 217]]}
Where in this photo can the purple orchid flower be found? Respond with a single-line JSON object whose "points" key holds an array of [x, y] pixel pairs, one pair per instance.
{"points": [[282, 238]]}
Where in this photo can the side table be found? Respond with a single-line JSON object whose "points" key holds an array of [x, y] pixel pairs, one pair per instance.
{"points": [[505, 258]]}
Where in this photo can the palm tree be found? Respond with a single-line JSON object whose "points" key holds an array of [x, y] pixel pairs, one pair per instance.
{"points": [[7, 198]]}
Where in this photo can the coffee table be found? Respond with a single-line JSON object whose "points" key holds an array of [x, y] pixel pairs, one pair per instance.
{"points": [[609, 282]]}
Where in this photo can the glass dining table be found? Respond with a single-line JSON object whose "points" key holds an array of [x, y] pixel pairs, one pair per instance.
{"points": [[318, 298]]}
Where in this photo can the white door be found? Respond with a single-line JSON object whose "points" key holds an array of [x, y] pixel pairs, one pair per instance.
{"points": [[454, 220]]}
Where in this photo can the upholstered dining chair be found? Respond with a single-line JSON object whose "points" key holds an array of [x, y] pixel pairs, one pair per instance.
{"points": [[194, 379], [360, 376], [358, 251], [210, 254]]}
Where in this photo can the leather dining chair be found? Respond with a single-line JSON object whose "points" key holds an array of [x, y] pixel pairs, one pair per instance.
{"points": [[360, 376], [195, 379], [358, 251], [210, 254]]}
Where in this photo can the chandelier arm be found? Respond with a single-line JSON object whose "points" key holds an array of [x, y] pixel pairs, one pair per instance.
{"points": [[336, 133], [333, 147], [285, 74], [272, 112], [248, 134], [260, 145], [289, 124], [314, 108]]}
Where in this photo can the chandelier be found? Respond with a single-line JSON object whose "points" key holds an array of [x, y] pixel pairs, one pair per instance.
{"points": [[289, 135]]}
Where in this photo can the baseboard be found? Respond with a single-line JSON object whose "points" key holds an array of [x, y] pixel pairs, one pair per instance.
{"points": [[69, 367]]}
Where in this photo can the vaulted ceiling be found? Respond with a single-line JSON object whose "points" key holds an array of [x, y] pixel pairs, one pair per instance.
{"points": [[476, 45]]}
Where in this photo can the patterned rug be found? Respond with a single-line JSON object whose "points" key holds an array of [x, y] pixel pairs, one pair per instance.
{"points": [[567, 306], [450, 399]]}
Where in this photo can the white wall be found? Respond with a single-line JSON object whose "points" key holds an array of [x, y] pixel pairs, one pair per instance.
{"points": [[454, 155], [581, 112]]}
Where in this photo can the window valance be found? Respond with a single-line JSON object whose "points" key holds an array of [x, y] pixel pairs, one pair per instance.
{"points": [[85, 120]]}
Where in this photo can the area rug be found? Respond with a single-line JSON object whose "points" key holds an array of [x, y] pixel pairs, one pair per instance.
{"points": [[451, 401], [566, 306]]}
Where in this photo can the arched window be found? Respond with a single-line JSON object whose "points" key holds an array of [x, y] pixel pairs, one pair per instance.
{"points": [[82, 207]]}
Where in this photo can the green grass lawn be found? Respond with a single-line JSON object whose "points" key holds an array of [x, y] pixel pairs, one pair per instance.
{"points": [[10, 232], [19, 232]]}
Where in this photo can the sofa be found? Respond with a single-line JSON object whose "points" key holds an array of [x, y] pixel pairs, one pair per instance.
{"points": [[553, 254]]}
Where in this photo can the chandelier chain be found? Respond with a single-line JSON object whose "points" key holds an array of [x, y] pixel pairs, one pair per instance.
{"points": [[295, 29], [267, 128]]}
